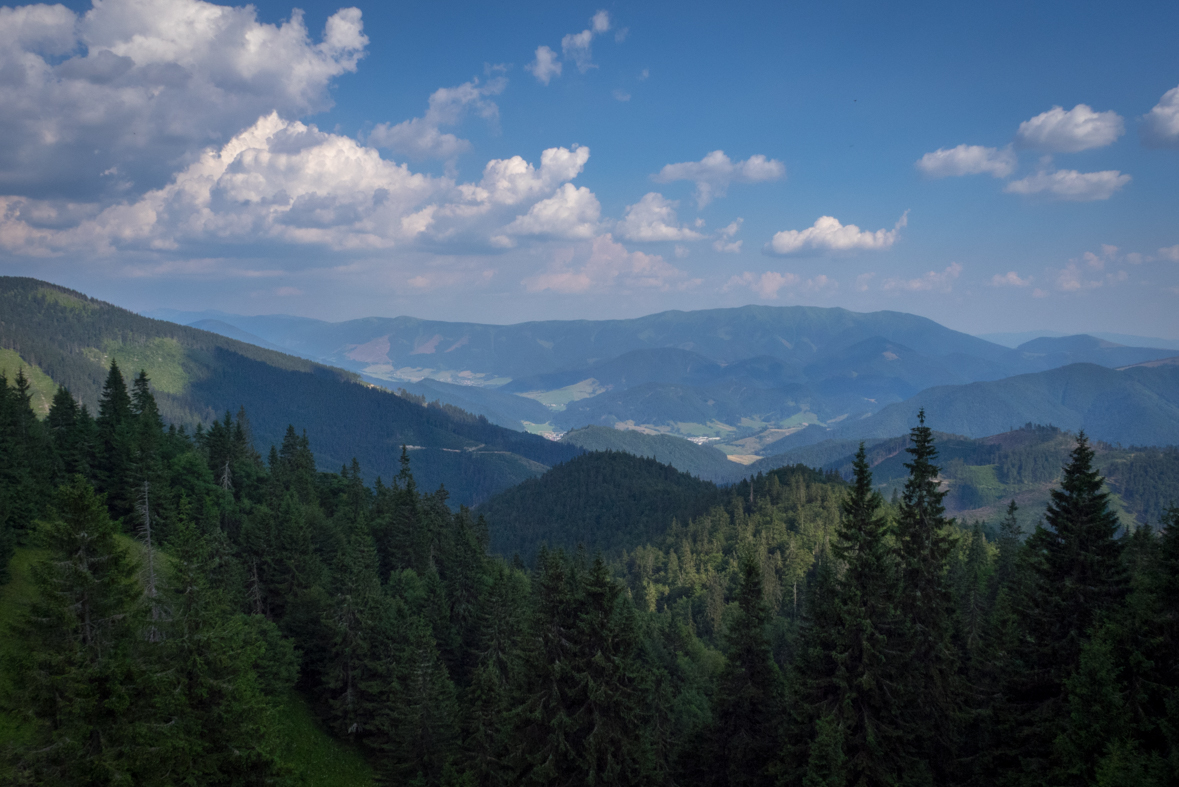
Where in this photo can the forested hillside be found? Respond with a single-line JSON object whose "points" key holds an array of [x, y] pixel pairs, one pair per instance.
{"points": [[70, 339], [799, 630]]}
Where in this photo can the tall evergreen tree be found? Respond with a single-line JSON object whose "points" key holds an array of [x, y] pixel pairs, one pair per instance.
{"points": [[1075, 576], [924, 544], [115, 444], [80, 682], [750, 700], [870, 651]]}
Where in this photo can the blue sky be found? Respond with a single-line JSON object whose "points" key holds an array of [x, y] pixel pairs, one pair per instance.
{"points": [[1006, 166]]}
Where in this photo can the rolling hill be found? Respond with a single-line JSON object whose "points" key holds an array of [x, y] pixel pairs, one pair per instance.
{"points": [[198, 375]]}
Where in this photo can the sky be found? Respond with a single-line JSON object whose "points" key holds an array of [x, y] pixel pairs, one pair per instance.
{"points": [[1001, 166]]}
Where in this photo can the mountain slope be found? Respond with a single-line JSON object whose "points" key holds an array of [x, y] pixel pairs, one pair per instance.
{"points": [[700, 461], [1138, 405], [603, 500], [198, 376]]}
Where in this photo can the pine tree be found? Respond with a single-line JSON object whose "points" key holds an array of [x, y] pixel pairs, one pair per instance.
{"points": [[870, 651], [420, 724], [80, 682], [924, 544], [611, 726], [115, 444], [546, 752], [750, 699], [221, 727], [1075, 576]]}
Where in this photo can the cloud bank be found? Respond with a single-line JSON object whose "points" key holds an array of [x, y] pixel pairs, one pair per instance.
{"points": [[145, 83], [713, 173], [828, 235]]}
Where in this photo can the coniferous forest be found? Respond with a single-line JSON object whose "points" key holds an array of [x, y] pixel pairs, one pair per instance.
{"points": [[798, 630]]}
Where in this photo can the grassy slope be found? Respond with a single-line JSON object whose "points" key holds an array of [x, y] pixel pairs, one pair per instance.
{"points": [[42, 387], [304, 744]]}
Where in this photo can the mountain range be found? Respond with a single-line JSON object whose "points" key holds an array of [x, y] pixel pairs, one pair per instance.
{"points": [[753, 381]]}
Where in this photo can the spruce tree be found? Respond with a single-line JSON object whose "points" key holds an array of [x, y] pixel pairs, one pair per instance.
{"points": [[80, 681], [870, 650], [924, 544], [115, 444], [750, 699], [611, 725], [221, 728], [1075, 576]]}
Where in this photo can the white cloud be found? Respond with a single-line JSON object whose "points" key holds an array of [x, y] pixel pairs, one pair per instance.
{"points": [[609, 266], [934, 281], [1072, 279], [967, 160], [1080, 128], [621, 95], [570, 213], [1010, 279], [1070, 185], [653, 218], [289, 183], [149, 82], [724, 241], [828, 235], [420, 138], [1170, 253], [577, 46], [767, 285], [713, 173], [545, 66], [1160, 126], [514, 181]]}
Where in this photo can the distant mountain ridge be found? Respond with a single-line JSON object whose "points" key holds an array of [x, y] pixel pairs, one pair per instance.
{"points": [[748, 376], [198, 376]]}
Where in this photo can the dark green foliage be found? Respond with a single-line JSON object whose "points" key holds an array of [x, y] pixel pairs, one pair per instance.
{"points": [[605, 501], [450, 667], [924, 544], [80, 684], [750, 700], [1075, 577]]}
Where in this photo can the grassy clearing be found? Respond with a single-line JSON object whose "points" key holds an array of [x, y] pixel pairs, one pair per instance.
{"points": [[42, 387], [164, 360], [570, 393], [321, 760], [63, 299]]}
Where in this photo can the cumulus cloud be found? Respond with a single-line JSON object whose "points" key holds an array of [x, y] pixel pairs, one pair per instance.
{"points": [[767, 285], [724, 241], [1010, 279], [570, 213], [545, 66], [288, 182], [828, 235], [144, 83], [653, 218], [610, 266], [420, 138], [713, 173], [1070, 185], [1072, 279], [1080, 128], [967, 160], [934, 281], [577, 46], [1160, 126]]}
